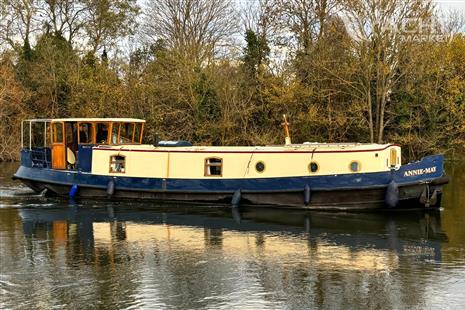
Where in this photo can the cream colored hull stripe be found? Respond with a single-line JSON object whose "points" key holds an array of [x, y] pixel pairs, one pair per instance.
{"points": [[236, 165]]}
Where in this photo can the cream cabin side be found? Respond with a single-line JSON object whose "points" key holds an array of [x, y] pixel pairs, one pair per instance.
{"points": [[146, 161]]}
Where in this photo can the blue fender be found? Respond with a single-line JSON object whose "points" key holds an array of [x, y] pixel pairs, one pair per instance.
{"points": [[73, 191]]}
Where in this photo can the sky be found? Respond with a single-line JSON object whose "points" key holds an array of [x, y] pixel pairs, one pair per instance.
{"points": [[452, 4]]}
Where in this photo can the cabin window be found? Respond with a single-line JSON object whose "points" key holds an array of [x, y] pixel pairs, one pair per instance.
{"points": [[138, 133], [393, 158], [114, 133], [86, 133], [117, 164], [313, 167], [102, 133], [58, 133], [354, 166], [71, 137], [213, 167], [260, 166], [71, 144], [126, 133]]}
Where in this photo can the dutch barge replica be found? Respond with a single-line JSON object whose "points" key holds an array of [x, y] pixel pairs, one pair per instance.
{"points": [[103, 157]]}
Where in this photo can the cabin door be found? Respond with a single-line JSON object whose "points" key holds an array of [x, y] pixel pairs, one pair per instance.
{"points": [[58, 145]]}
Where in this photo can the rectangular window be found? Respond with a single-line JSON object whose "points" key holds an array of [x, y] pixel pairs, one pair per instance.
{"points": [[138, 133], [393, 158], [102, 133], [58, 133], [86, 133], [117, 164], [126, 133], [71, 136], [114, 133], [213, 167]]}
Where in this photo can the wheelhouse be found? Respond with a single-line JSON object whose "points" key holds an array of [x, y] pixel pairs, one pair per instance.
{"points": [[67, 143]]}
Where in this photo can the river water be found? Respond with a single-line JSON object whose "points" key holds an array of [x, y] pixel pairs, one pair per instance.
{"points": [[131, 255]]}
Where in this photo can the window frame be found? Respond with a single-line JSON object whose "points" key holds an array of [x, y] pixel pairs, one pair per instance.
{"points": [[207, 166], [54, 133], [113, 160], [93, 138], [141, 132], [131, 142], [393, 160], [112, 127], [109, 127]]}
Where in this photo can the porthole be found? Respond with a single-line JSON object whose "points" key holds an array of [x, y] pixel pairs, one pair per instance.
{"points": [[354, 166], [260, 166], [313, 167]]}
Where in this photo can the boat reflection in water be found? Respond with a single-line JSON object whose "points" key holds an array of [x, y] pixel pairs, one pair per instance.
{"points": [[101, 254], [131, 256], [352, 241]]}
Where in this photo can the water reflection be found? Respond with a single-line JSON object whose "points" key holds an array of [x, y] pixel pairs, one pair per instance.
{"points": [[353, 241], [140, 255], [174, 258]]}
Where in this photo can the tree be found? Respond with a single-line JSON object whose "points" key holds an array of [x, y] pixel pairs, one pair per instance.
{"points": [[306, 20], [108, 20], [18, 23], [256, 52], [12, 109], [63, 18], [194, 29], [381, 38]]}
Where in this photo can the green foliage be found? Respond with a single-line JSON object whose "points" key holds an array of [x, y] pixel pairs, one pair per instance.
{"points": [[256, 52]]}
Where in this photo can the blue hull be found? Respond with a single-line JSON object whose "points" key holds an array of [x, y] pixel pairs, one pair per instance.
{"points": [[427, 171]]}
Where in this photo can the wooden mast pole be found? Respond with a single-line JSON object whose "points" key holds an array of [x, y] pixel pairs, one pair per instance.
{"points": [[287, 136]]}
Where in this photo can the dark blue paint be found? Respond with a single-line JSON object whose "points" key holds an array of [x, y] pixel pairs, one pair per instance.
{"points": [[176, 143], [84, 160], [26, 160], [36, 157], [436, 161], [329, 182]]}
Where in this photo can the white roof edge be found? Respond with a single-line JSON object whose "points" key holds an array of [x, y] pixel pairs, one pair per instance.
{"points": [[37, 120], [83, 119]]}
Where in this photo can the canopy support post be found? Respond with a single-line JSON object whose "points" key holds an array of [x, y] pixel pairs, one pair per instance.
{"points": [[30, 135]]}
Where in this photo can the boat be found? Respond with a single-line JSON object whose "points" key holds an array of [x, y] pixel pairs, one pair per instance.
{"points": [[106, 158]]}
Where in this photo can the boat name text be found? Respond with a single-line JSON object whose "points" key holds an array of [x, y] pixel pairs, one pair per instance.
{"points": [[410, 173]]}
